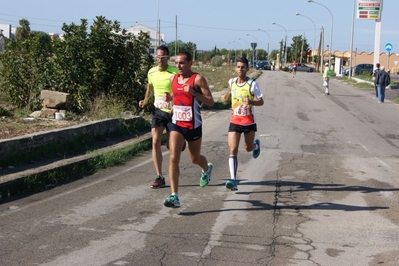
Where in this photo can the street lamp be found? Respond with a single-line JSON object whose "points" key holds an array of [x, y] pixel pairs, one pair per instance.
{"points": [[332, 25], [268, 54], [253, 47], [285, 42], [246, 42], [235, 50], [314, 25], [241, 39], [240, 46]]}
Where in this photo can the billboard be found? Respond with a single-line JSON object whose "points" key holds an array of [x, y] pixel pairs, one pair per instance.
{"points": [[369, 9]]}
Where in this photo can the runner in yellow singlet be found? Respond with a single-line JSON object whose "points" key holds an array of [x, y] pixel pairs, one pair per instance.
{"points": [[245, 94]]}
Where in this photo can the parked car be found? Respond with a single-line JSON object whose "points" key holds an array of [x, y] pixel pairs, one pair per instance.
{"points": [[302, 67], [360, 69], [263, 64]]}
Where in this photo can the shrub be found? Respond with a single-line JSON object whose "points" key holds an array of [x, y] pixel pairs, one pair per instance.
{"points": [[217, 61]]}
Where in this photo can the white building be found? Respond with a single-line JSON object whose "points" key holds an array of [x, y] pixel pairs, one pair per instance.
{"points": [[2, 41], [6, 32], [156, 38]]}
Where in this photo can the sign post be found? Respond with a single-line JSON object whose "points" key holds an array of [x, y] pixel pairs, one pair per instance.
{"points": [[372, 9], [388, 48]]}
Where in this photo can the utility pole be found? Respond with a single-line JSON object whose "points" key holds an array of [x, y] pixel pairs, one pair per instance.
{"points": [[303, 41], [176, 35]]}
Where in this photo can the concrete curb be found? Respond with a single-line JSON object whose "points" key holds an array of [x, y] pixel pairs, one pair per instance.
{"points": [[11, 184]]}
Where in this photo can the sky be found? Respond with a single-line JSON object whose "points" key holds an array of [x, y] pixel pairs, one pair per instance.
{"points": [[229, 24]]}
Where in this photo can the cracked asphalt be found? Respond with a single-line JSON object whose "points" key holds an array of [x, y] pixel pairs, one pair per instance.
{"points": [[324, 191]]}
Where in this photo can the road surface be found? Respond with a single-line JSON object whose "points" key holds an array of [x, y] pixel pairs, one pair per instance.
{"points": [[324, 191]]}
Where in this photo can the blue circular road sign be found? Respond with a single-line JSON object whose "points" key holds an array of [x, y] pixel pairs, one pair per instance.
{"points": [[388, 46]]}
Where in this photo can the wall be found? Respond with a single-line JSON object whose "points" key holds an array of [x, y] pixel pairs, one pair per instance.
{"points": [[368, 58], [29, 143]]}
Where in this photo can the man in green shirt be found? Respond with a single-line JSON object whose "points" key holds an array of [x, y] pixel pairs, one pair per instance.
{"points": [[158, 85], [326, 79]]}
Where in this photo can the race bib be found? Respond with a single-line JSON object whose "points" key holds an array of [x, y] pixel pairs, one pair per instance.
{"points": [[182, 113], [161, 104], [242, 110]]}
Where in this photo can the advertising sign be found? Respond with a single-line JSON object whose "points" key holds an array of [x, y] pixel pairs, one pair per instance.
{"points": [[369, 9]]}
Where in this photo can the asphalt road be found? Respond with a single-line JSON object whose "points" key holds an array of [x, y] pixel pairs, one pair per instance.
{"points": [[324, 191]]}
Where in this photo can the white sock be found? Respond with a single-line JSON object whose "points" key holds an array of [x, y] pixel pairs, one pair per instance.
{"points": [[233, 165]]}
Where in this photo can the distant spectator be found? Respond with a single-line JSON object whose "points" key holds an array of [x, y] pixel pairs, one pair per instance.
{"points": [[326, 79], [382, 79], [377, 68]]}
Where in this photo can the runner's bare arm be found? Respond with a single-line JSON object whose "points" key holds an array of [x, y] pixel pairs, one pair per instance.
{"points": [[226, 96], [148, 94]]}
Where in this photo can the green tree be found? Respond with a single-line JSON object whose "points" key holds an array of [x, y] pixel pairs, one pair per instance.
{"points": [[181, 46], [273, 54], [23, 31], [261, 54], [299, 49], [27, 62], [103, 63], [106, 61]]}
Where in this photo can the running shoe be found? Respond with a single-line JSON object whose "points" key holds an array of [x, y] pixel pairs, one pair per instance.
{"points": [[256, 151], [159, 182], [206, 176], [231, 184], [172, 201]]}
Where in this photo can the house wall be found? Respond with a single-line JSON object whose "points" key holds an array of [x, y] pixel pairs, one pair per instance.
{"points": [[390, 62], [155, 38]]}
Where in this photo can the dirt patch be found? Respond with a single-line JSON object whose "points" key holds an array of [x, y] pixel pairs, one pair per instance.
{"points": [[15, 127]]}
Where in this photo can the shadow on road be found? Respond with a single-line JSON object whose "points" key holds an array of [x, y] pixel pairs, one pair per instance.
{"points": [[300, 187]]}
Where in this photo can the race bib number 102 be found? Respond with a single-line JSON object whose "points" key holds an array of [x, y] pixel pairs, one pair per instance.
{"points": [[161, 104]]}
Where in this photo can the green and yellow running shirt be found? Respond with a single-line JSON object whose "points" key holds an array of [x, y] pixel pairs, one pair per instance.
{"points": [[160, 81]]}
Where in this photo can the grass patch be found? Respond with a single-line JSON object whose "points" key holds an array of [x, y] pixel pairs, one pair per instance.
{"points": [[357, 84], [69, 173], [218, 77]]}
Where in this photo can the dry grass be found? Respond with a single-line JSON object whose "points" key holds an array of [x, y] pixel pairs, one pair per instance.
{"points": [[217, 77]]}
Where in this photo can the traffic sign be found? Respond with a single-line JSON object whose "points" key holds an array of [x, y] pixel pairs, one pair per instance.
{"points": [[388, 47]]}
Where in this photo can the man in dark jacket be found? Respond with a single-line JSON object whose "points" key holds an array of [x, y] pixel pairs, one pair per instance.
{"points": [[382, 80], [377, 68]]}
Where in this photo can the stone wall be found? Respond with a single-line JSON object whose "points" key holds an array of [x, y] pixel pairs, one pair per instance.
{"points": [[29, 143]]}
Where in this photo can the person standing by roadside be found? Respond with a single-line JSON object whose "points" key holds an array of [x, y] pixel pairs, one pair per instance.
{"points": [[382, 80], [376, 70], [189, 91], [294, 67], [158, 84], [326, 79], [245, 94]]}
